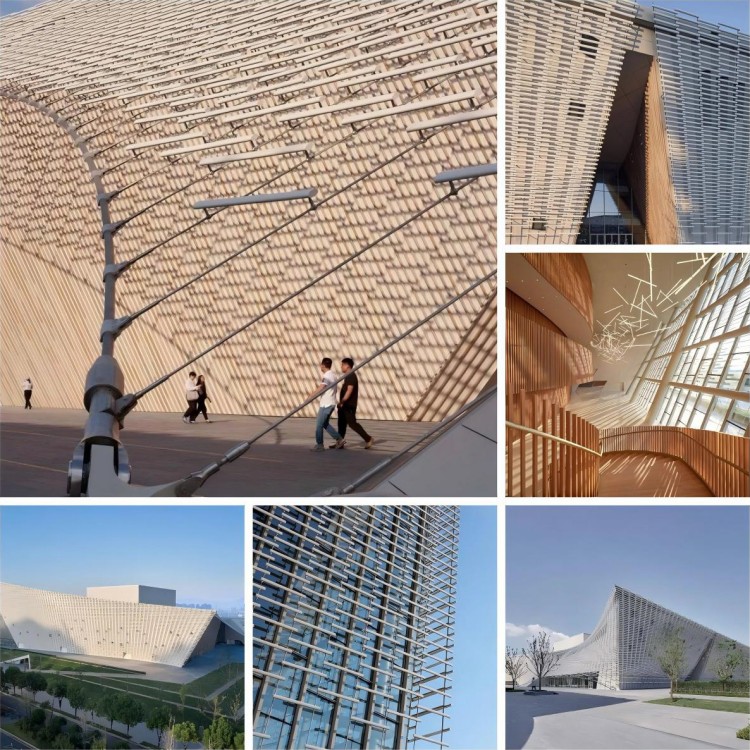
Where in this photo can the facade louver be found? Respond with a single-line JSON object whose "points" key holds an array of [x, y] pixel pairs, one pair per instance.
{"points": [[620, 653], [68, 624], [353, 613], [625, 125]]}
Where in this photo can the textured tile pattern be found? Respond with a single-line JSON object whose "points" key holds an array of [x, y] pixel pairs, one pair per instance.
{"points": [[154, 88]]}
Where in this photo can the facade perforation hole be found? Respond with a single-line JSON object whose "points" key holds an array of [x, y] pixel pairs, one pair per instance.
{"points": [[576, 109]]}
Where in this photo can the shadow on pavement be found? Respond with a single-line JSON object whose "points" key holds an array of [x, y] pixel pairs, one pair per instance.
{"points": [[521, 710]]}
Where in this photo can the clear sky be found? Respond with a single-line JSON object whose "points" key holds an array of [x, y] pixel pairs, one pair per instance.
{"points": [[563, 562], [473, 713], [196, 550], [729, 12]]}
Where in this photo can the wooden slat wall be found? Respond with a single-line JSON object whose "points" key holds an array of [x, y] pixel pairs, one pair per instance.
{"points": [[701, 450], [569, 274], [538, 359], [537, 466]]}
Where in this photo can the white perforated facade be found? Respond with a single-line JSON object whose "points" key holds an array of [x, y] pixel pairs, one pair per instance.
{"points": [[563, 62], [68, 624], [620, 653]]}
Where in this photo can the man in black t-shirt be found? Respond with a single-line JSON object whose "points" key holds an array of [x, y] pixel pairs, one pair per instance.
{"points": [[348, 404]]}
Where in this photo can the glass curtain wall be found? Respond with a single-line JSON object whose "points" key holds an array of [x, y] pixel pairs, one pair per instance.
{"points": [[711, 375]]}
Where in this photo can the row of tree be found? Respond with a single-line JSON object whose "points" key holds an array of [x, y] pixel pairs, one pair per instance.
{"points": [[221, 734], [669, 652]]}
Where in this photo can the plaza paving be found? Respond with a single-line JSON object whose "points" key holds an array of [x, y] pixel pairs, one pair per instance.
{"points": [[36, 446], [615, 720]]}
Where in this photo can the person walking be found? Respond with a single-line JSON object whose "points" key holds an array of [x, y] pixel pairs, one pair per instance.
{"points": [[348, 404], [327, 390], [202, 398], [28, 387], [191, 394]]}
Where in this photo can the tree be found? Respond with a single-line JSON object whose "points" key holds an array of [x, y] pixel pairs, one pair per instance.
{"points": [[183, 697], [14, 676], [35, 682], [515, 664], [728, 662], [239, 741], [57, 689], [159, 720], [540, 656], [236, 705], [185, 732], [670, 654], [106, 706], [76, 698], [129, 711], [215, 702], [219, 735]]}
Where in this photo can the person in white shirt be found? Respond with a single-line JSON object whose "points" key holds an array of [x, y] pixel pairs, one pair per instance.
{"points": [[27, 388], [191, 393], [327, 389]]}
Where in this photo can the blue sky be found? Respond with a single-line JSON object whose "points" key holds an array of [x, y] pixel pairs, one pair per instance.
{"points": [[196, 550], [562, 563], [729, 12], [473, 713]]}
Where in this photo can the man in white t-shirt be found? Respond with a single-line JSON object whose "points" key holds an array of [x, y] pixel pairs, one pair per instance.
{"points": [[327, 389], [27, 388], [191, 394]]}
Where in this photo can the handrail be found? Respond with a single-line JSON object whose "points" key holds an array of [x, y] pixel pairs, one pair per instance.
{"points": [[523, 428], [447, 422], [188, 485], [670, 428]]}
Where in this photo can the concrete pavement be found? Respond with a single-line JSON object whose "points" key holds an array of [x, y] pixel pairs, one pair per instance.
{"points": [[36, 446], [615, 720]]}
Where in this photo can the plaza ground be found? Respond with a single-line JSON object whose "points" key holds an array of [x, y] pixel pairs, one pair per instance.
{"points": [[579, 719], [36, 446]]}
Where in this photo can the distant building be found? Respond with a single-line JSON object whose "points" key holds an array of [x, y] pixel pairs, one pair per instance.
{"points": [[620, 653], [122, 622]]}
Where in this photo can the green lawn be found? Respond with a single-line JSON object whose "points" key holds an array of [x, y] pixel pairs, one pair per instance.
{"points": [[55, 663], [203, 686], [189, 714], [736, 707]]}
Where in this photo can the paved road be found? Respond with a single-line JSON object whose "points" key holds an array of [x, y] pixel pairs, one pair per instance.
{"points": [[615, 720], [36, 445], [11, 742]]}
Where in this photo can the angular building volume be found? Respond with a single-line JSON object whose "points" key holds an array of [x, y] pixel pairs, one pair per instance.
{"points": [[625, 125], [620, 653], [353, 614], [122, 622]]}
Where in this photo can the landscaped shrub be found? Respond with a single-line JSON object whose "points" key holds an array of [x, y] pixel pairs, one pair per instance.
{"points": [[744, 734], [733, 687]]}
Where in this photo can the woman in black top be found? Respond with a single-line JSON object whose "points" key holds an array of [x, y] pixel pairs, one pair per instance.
{"points": [[202, 397]]}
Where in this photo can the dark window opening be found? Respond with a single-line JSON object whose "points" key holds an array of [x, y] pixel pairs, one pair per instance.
{"points": [[539, 224], [589, 45], [576, 109]]}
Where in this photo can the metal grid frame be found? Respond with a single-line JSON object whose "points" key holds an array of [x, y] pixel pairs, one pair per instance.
{"points": [[353, 618], [711, 369]]}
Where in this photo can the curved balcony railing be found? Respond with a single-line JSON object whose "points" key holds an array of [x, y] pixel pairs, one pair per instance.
{"points": [[550, 452], [722, 461]]}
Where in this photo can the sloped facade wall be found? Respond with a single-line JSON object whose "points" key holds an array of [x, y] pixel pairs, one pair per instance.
{"points": [[68, 624], [147, 70]]}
